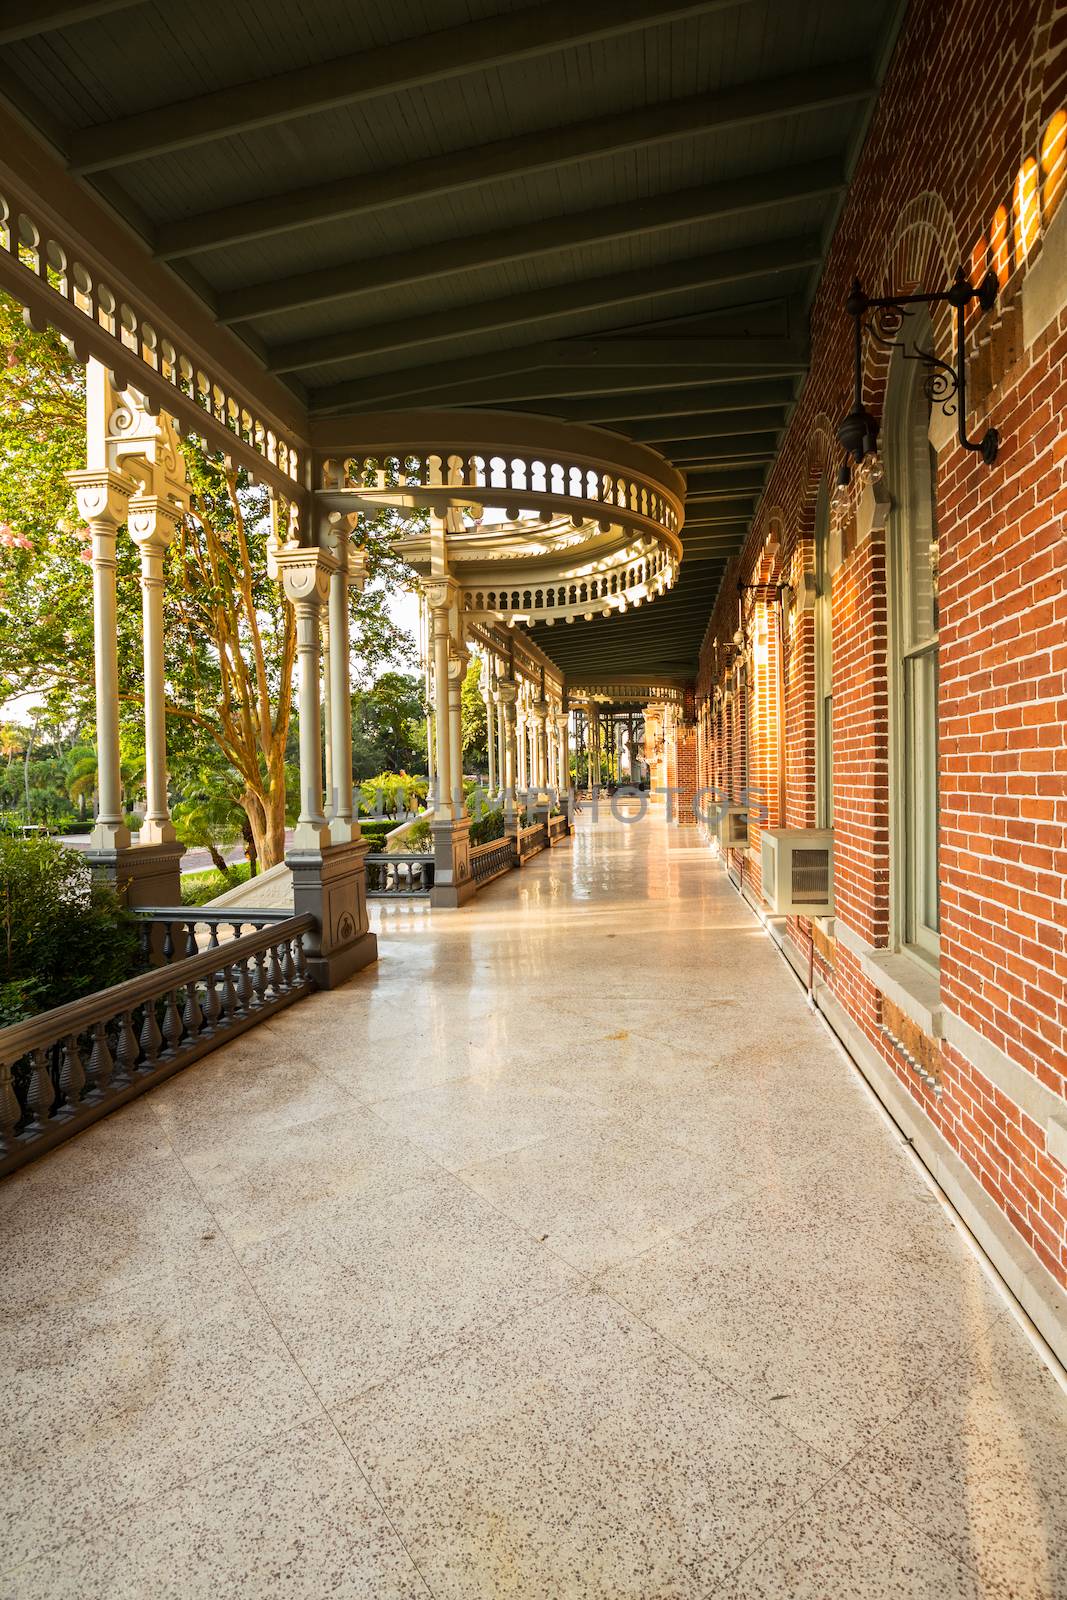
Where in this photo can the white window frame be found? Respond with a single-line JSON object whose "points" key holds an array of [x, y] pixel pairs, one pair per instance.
{"points": [[913, 825], [824, 656]]}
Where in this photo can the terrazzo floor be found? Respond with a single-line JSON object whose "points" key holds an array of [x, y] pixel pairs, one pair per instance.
{"points": [[561, 1255]]}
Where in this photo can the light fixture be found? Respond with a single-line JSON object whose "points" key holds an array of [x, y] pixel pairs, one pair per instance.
{"points": [[946, 385]]}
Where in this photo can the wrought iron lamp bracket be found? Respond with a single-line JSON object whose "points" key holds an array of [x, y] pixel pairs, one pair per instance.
{"points": [[884, 317]]}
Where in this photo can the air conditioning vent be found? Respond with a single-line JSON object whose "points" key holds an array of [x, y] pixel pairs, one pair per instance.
{"points": [[798, 871], [733, 828]]}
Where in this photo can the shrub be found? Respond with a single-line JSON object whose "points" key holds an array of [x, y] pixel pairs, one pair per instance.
{"points": [[198, 888], [420, 837], [392, 794], [374, 830], [63, 935], [487, 827]]}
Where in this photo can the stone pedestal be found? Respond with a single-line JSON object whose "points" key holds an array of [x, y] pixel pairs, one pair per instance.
{"points": [[143, 874], [452, 881], [331, 885]]}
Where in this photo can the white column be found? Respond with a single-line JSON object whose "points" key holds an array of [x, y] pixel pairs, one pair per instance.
{"points": [[490, 742], [427, 667], [327, 708], [152, 524], [103, 497], [501, 741], [538, 723], [457, 671], [438, 593], [349, 574], [305, 573], [507, 693], [562, 721]]}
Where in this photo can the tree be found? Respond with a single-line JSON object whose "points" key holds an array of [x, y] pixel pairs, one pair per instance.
{"points": [[229, 633], [389, 725], [472, 717]]}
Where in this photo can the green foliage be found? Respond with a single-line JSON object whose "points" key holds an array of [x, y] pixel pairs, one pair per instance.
{"points": [[375, 832], [419, 837], [61, 935], [472, 718], [392, 794], [229, 635], [198, 888], [487, 827], [388, 725]]}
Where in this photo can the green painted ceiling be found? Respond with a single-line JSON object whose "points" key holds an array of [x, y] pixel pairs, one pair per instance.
{"points": [[605, 210]]}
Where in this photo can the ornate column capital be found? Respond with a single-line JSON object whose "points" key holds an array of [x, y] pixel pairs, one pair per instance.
{"points": [[458, 660], [439, 593], [102, 495], [152, 521], [508, 691], [539, 711], [305, 571]]}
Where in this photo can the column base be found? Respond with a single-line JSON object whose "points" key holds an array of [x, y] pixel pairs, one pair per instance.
{"points": [[331, 886], [143, 874], [452, 881]]}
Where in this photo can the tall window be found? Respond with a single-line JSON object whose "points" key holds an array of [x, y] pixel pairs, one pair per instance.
{"points": [[912, 557], [824, 663]]}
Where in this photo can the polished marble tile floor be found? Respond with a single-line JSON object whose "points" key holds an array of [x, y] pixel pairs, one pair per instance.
{"points": [[561, 1255]]}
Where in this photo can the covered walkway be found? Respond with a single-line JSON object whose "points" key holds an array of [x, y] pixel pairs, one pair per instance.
{"points": [[561, 1254]]}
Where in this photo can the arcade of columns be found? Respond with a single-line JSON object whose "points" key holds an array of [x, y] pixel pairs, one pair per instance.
{"points": [[580, 538]]}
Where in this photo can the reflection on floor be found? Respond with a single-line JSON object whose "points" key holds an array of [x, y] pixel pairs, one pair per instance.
{"points": [[562, 1255]]}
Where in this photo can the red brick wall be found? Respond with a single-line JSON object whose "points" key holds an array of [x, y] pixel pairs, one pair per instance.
{"points": [[967, 100]]}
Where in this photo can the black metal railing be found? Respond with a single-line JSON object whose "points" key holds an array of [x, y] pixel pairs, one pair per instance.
{"points": [[492, 859], [68, 1067]]}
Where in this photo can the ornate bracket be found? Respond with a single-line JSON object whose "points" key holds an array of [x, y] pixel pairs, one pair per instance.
{"points": [[884, 318]]}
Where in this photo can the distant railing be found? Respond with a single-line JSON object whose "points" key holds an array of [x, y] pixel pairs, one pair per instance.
{"points": [[557, 827], [530, 840], [65, 1069], [490, 860], [398, 875]]}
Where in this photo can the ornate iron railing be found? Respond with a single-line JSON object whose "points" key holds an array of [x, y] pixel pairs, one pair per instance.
{"points": [[557, 827], [398, 875], [491, 860], [65, 1069], [530, 840]]}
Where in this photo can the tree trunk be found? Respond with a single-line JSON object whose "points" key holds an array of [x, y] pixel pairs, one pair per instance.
{"points": [[218, 858]]}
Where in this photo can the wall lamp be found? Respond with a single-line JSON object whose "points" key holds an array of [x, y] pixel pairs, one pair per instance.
{"points": [[885, 318]]}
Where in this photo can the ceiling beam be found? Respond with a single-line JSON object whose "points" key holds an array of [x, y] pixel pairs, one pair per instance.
{"points": [[740, 509], [567, 366], [709, 460], [704, 486], [544, 150], [368, 74], [754, 261], [674, 431], [527, 241], [25, 19], [733, 398]]}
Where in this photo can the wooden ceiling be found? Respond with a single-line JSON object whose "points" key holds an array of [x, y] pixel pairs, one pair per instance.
{"points": [[612, 211]]}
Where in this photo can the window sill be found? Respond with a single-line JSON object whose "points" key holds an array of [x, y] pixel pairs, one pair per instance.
{"points": [[912, 987]]}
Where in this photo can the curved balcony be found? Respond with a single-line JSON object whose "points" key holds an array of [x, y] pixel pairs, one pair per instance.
{"points": [[543, 521]]}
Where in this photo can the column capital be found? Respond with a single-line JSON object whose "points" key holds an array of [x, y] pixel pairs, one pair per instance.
{"points": [[507, 690], [439, 592], [305, 571], [103, 495], [539, 710], [153, 521], [458, 660]]}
